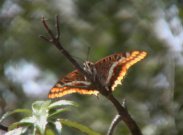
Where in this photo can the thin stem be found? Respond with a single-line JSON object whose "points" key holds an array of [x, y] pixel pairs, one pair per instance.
{"points": [[47, 28], [55, 41], [125, 116], [114, 123]]}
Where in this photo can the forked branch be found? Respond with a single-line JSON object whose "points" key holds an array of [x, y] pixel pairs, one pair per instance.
{"points": [[122, 111], [55, 41], [125, 116], [116, 120]]}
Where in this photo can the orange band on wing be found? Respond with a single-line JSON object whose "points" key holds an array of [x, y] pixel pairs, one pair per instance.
{"points": [[128, 62], [59, 92]]}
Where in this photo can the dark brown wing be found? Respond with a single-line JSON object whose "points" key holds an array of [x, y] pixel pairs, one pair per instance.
{"points": [[103, 66], [113, 68], [73, 82]]}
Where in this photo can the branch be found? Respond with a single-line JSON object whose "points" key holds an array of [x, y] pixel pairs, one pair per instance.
{"points": [[114, 123], [116, 120], [134, 129], [125, 116], [55, 41]]}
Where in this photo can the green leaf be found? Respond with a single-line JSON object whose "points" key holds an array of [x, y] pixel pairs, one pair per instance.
{"points": [[25, 111], [40, 114], [17, 131], [18, 124], [28, 120], [61, 103], [57, 112], [79, 126], [40, 105]]}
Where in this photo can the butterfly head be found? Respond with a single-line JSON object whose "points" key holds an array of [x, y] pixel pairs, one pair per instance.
{"points": [[88, 64], [89, 67]]}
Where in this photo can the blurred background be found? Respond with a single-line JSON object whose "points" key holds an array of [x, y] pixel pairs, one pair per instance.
{"points": [[91, 30]]}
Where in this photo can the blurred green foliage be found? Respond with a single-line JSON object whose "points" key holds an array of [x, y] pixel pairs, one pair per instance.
{"points": [[43, 119], [152, 88]]}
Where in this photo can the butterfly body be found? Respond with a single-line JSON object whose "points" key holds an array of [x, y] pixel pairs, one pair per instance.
{"points": [[109, 71]]}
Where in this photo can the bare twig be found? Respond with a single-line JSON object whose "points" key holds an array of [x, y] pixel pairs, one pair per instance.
{"points": [[45, 38], [48, 29], [125, 116], [122, 111], [114, 123], [55, 41], [116, 120], [124, 104]]}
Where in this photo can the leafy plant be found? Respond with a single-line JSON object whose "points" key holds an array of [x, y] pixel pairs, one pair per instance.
{"points": [[43, 119]]}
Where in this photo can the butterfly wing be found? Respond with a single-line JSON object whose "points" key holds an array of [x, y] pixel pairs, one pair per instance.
{"points": [[73, 82], [104, 65], [113, 68], [122, 67], [111, 71]]}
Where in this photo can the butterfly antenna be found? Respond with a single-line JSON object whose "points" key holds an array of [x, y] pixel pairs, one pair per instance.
{"points": [[88, 52], [80, 60]]}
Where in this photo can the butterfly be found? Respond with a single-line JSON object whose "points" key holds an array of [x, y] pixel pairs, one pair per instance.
{"points": [[110, 70]]}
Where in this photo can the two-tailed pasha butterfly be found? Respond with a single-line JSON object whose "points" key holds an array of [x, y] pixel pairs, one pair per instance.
{"points": [[111, 71]]}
